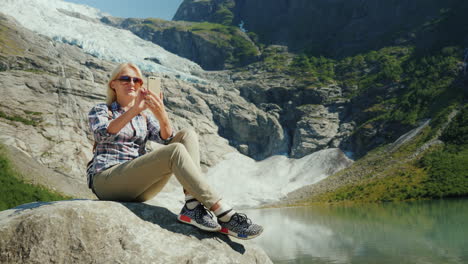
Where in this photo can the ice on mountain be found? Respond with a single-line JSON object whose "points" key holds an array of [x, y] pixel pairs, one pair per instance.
{"points": [[245, 182], [77, 25]]}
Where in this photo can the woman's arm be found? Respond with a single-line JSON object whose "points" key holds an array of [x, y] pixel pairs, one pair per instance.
{"points": [[117, 124], [166, 128], [156, 105], [120, 122]]}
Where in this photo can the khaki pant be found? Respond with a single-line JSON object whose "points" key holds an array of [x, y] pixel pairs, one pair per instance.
{"points": [[142, 178]]}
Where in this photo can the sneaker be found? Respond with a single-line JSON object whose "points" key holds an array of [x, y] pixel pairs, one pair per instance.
{"points": [[240, 226], [199, 217]]}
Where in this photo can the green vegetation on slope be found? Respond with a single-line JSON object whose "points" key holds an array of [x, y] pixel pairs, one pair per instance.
{"points": [[223, 14], [220, 11], [9, 45], [398, 85], [447, 168], [394, 87], [14, 192], [33, 118], [442, 171]]}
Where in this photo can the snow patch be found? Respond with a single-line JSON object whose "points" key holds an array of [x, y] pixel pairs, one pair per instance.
{"points": [[47, 17]]}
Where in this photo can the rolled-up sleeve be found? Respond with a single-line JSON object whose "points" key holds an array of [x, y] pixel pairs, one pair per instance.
{"points": [[99, 120], [154, 131]]}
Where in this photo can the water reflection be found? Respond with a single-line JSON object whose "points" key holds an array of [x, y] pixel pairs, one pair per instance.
{"points": [[417, 232]]}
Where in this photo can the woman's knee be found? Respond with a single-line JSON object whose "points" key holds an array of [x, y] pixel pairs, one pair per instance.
{"points": [[177, 149], [166, 153], [188, 134]]}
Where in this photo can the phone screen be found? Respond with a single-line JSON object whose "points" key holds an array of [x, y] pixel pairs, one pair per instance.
{"points": [[154, 84]]}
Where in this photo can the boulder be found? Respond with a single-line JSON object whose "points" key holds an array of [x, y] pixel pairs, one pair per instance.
{"points": [[87, 231]]}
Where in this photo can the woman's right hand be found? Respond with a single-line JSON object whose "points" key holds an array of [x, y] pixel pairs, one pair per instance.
{"points": [[139, 104]]}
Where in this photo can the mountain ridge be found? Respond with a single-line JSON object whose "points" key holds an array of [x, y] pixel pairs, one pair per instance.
{"points": [[330, 28]]}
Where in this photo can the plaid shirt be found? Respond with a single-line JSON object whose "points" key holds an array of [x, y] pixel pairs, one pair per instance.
{"points": [[127, 144]]}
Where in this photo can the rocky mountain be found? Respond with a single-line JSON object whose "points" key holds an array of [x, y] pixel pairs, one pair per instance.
{"points": [[212, 46], [83, 231], [329, 28], [358, 75], [312, 117], [282, 102], [49, 87]]}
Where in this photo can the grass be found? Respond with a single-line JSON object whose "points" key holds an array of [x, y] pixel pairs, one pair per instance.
{"points": [[16, 118], [36, 71], [33, 113], [14, 191], [404, 182], [8, 44]]}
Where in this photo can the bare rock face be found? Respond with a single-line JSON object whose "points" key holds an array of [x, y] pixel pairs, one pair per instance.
{"points": [[315, 130], [310, 117], [85, 231], [47, 91]]}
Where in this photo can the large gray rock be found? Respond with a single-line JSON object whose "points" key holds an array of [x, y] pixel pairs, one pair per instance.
{"points": [[85, 231]]}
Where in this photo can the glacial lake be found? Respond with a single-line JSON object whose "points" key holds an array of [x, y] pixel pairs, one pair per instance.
{"points": [[411, 232]]}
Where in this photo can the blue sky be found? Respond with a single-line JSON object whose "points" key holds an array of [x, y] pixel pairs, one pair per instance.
{"points": [[164, 9]]}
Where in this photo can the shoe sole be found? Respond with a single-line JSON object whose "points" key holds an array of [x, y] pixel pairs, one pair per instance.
{"points": [[187, 220], [226, 231]]}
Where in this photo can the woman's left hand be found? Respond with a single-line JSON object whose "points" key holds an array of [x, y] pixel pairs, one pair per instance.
{"points": [[156, 105]]}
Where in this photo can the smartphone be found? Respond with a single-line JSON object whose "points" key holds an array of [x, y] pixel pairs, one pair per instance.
{"points": [[154, 84]]}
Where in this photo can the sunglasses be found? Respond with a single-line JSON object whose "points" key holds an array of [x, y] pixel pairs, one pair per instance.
{"points": [[128, 79]]}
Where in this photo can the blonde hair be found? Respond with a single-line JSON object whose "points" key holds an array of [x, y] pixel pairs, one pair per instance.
{"points": [[111, 95]]}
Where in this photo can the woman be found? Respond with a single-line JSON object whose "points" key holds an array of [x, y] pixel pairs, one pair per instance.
{"points": [[121, 170]]}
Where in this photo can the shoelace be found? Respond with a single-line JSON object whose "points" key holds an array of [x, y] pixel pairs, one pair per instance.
{"points": [[204, 209], [242, 218]]}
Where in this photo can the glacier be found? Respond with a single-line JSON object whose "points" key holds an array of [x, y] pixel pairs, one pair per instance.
{"points": [[56, 19], [246, 183], [249, 183]]}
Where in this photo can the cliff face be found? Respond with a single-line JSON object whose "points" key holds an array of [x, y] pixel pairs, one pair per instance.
{"points": [[213, 47], [333, 28]]}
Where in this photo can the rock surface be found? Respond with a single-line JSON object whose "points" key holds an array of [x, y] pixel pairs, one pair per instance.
{"points": [[312, 117], [85, 231]]}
